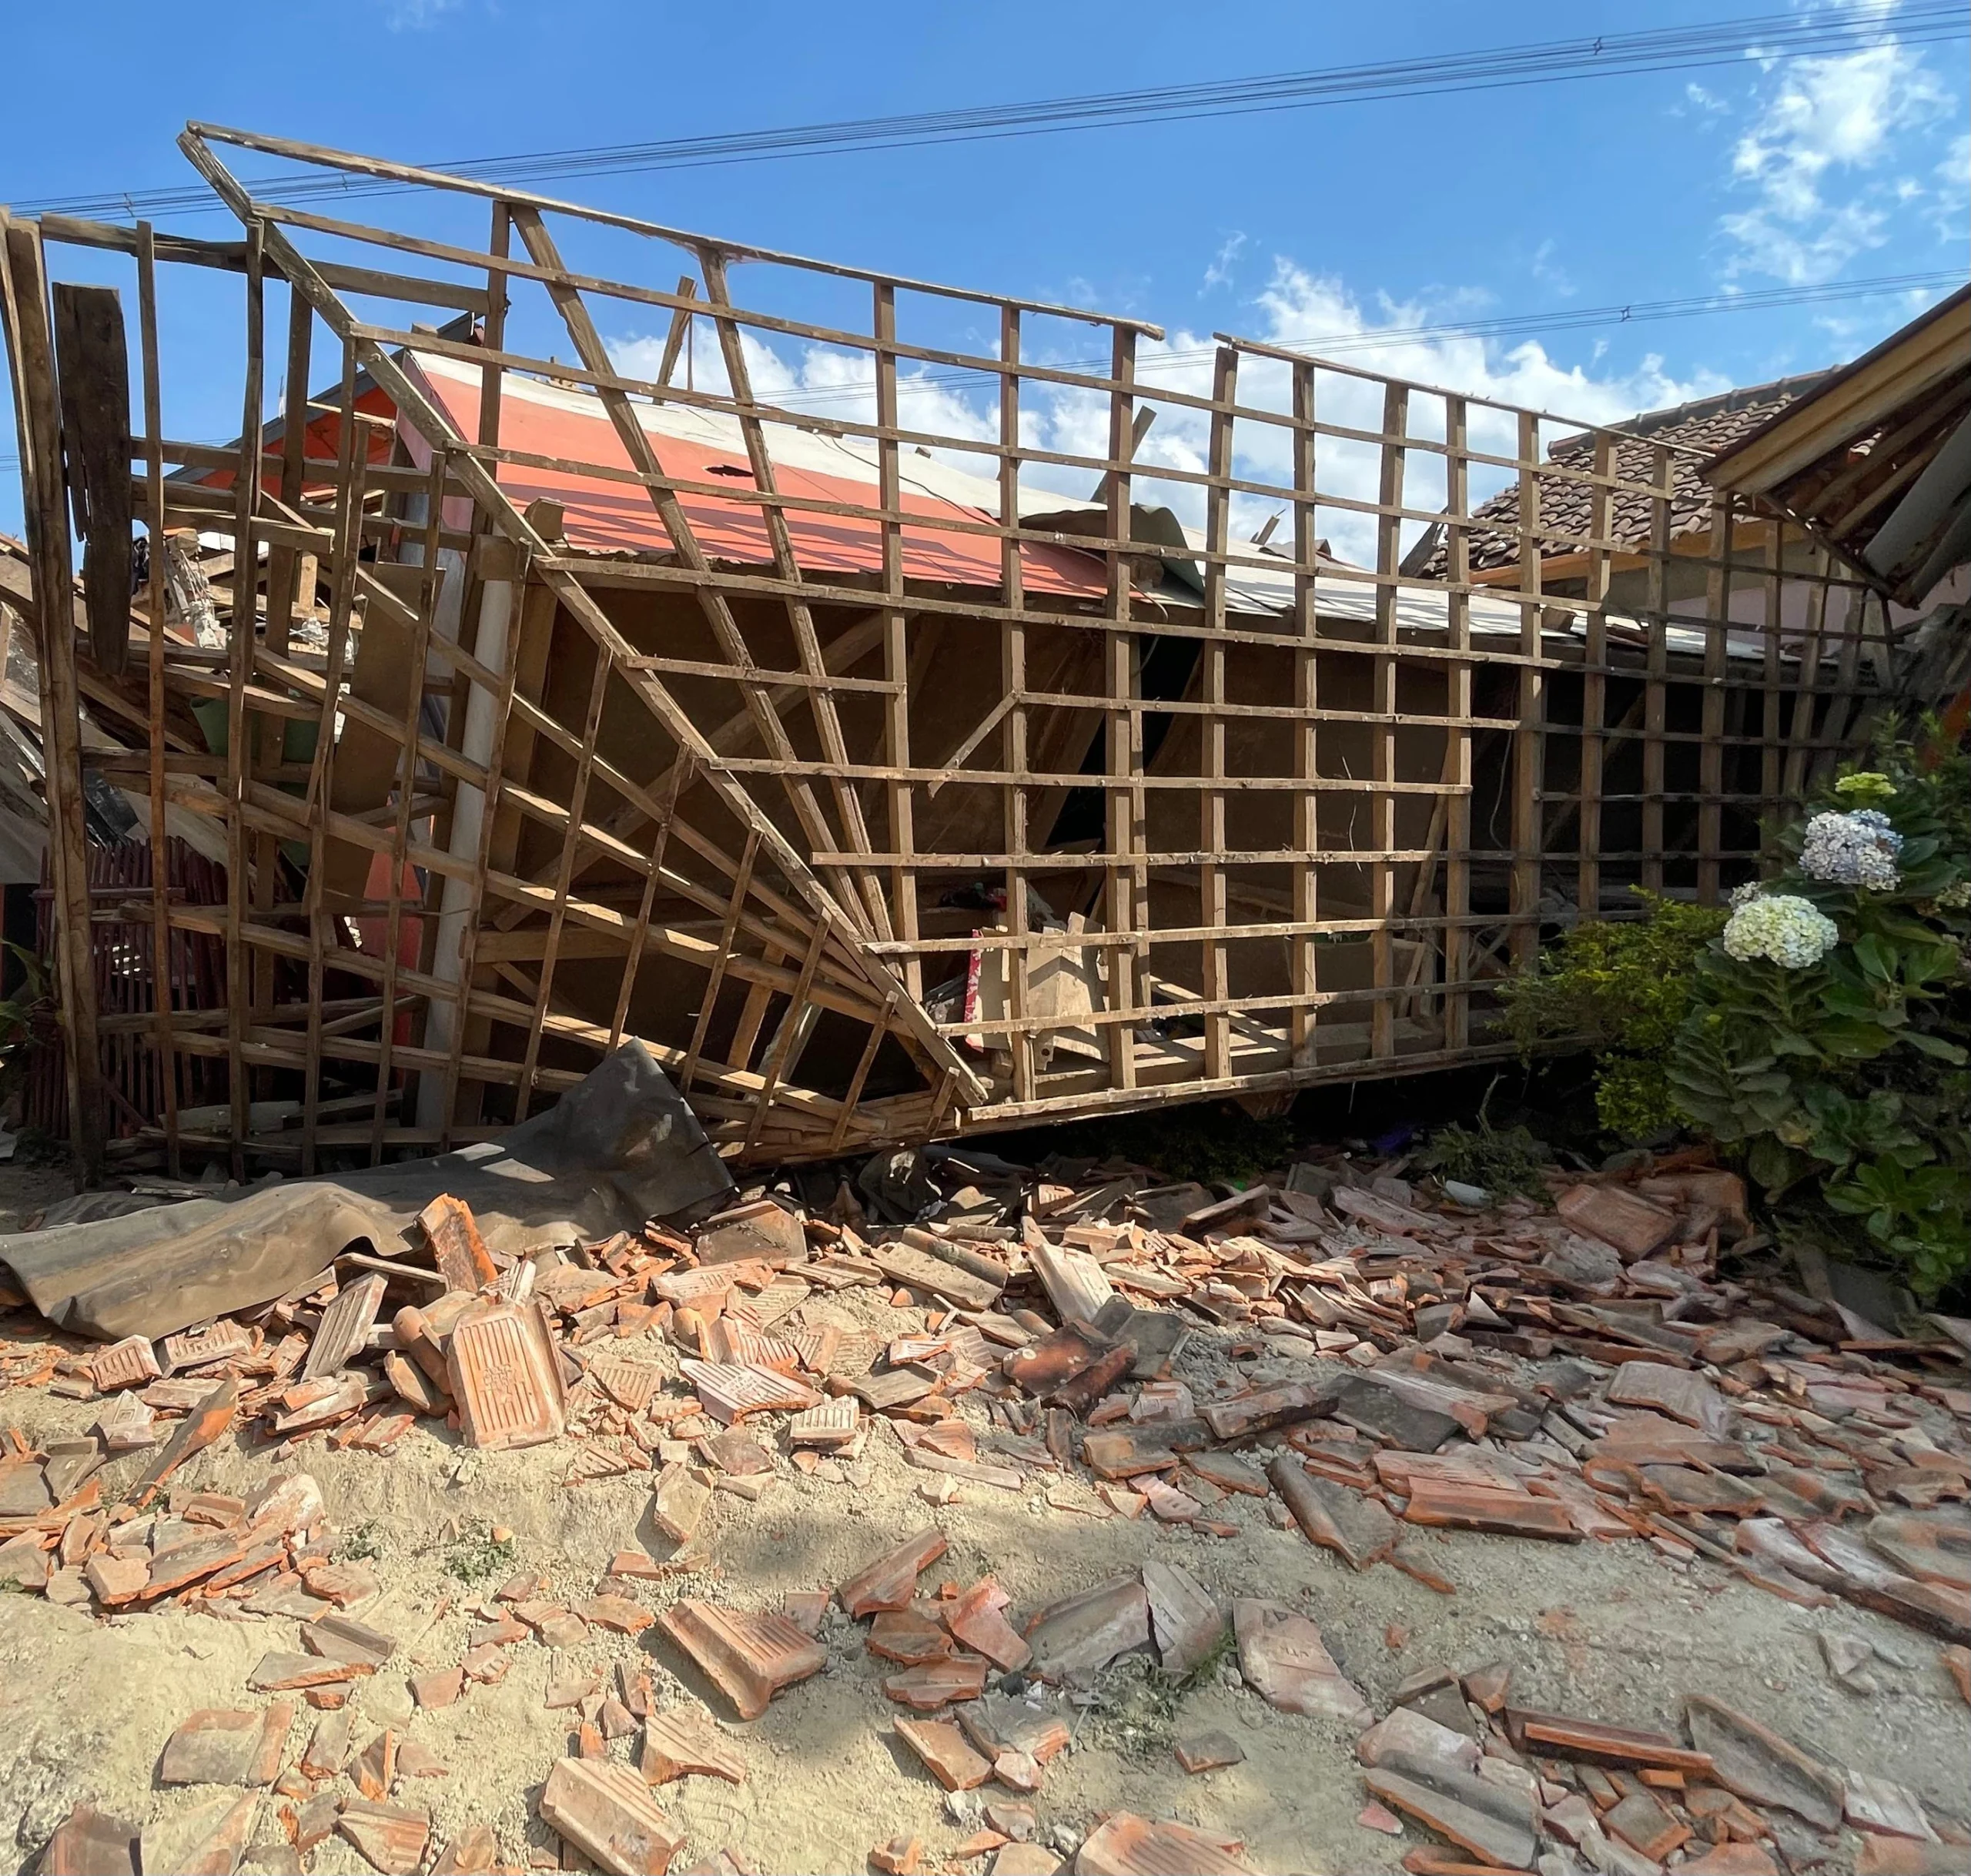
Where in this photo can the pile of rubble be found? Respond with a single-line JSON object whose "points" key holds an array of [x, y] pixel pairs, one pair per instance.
{"points": [[1396, 1356]]}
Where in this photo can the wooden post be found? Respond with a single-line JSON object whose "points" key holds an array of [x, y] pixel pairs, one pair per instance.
{"points": [[30, 360]]}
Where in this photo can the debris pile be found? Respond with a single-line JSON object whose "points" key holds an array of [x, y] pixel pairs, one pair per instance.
{"points": [[1369, 1357]]}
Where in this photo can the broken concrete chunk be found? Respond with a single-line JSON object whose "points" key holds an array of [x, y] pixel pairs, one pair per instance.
{"points": [[1284, 1660]]}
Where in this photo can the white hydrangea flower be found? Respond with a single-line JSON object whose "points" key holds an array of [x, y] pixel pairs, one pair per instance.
{"points": [[1956, 896], [1857, 848], [1745, 895], [1792, 932]]}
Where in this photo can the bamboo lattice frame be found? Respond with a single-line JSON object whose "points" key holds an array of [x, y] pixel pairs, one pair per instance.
{"points": [[693, 741]]}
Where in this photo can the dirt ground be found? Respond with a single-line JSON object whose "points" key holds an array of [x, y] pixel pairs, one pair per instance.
{"points": [[1615, 1632]]}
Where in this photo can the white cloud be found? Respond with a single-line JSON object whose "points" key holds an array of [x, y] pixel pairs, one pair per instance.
{"points": [[1297, 309], [1220, 272], [1808, 162], [417, 15]]}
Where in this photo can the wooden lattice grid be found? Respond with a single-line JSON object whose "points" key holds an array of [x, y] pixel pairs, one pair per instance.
{"points": [[681, 737]]}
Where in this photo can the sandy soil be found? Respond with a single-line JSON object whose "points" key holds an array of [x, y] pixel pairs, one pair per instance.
{"points": [[1615, 1632]]}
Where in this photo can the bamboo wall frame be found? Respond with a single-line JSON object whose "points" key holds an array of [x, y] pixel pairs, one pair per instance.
{"points": [[691, 797]]}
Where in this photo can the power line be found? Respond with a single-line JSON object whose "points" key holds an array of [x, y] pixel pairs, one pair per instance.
{"points": [[1848, 26]]}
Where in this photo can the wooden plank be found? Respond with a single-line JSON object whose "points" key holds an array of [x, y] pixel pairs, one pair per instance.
{"points": [[164, 972], [31, 365]]}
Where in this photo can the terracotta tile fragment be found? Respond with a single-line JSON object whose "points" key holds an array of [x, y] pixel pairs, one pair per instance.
{"points": [[503, 1371], [1282, 1657], [616, 1614], [942, 1749], [1755, 1762], [1018, 1859], [937, 1684], [1268, 1408], [749, 1657], [1641, 1821], [1124, 1845], [890, 1581], [1489, 1685], [88, 1842], [682, 1741], [440, 1688], [979, 1843], [976, 1618], [281, 1673], [1017, 1771], [1898, 1856], [1206, 1752], [805, 1608], [204, 1839], [1562, 1736], [901, 1855], [1635, 1225], [1731, 1860], [1078, 1637], [456, 1247], [1373, 1816], [1471, 1813], [327, 1750], [1449, 1506], [217, 1745], [909, 1637], [1185, 1619], [344, 1327], [474, 1851], [607, 1811]]}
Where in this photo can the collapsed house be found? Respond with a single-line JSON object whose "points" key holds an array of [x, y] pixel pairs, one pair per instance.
{"points": [[843, 692]]}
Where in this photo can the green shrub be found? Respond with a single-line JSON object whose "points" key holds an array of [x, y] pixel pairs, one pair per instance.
{"points": [[1623, 988], [1838, 1069], [1818, 1031]]}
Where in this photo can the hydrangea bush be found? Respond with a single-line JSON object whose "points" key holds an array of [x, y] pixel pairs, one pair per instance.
{"points": [[1826, 1036], [1819, 1031]]}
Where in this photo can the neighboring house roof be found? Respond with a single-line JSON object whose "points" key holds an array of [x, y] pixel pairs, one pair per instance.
{"points": [[1877, 458], [1707, 425]]}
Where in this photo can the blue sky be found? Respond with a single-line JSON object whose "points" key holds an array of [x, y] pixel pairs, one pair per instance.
{"points": [[1296, 226]]}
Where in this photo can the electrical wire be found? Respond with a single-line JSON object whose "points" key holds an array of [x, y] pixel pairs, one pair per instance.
{"points": [[1846, 25]]}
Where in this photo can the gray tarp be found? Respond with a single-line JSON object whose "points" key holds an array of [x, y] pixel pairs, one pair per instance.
{"points": [[620, 1147]]}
